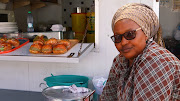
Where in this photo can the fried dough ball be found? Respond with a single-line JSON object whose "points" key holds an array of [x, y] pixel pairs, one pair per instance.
{"points": [[3, 39], [59, 49], [51, 41], [38, 42], [5, 46], [35, 48], [43, 38], [46, 49], [15, 42], [65, 42]]}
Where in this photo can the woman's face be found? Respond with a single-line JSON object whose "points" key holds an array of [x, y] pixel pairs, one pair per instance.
{"points": [[129, 48]]}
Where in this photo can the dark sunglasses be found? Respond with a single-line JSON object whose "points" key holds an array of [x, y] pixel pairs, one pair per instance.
{"points": [[127, 35]]}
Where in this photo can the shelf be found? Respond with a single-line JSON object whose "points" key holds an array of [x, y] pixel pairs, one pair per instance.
{"points": [[23, 54], [36, 5], [176, 5], [18, 4], [4, 1]]}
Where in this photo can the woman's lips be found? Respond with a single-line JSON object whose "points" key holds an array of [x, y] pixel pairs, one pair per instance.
{"points": [[126, 50]]}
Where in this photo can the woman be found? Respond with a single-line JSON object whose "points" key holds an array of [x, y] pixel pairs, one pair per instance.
{"points": [[144, 70]]}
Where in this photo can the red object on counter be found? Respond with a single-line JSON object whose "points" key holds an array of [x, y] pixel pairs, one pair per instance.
{"points": [[88, 98], [21, 44]]}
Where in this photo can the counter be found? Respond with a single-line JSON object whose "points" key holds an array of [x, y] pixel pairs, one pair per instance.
{"points": [[22, 54], [17, 95]]}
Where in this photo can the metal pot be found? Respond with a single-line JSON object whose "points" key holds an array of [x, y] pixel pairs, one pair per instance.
{"points": [[56, 93]]}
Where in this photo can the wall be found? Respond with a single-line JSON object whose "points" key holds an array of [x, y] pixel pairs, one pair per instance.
{"points": [[28, 75], [68, 8], [168, 20], [50, 14]]}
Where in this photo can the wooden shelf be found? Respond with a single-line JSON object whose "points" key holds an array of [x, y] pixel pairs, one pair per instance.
{"points": [[36, 5], [50, 1], [4, 1], [18, 4]]}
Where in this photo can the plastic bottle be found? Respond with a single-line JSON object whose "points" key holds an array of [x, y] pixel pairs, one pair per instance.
{"points": [[30, 27]]}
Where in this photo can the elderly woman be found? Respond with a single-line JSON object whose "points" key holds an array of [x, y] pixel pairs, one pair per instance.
{"points": [[144, 70]]}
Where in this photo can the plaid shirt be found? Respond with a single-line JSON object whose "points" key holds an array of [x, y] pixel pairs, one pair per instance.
{"points": [[154, 76]]}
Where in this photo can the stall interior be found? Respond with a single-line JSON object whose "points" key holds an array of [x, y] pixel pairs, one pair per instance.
{"points": [[56, 25], [68, 16]]}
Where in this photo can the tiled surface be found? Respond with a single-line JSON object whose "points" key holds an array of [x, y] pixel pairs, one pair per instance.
{"points": [[15, 95], [69, 5]]}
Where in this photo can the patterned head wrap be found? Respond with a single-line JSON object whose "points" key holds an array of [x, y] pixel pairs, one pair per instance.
{"points": [[144, 16]]}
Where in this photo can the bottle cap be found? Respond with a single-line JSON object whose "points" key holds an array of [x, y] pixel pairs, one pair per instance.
{"points": [[29, 11]]}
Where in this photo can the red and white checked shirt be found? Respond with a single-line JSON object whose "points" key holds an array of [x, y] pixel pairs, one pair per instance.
{"points": [[154, 76]]}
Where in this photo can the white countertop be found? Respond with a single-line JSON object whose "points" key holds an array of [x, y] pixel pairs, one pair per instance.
{"points": [[23, 54]]}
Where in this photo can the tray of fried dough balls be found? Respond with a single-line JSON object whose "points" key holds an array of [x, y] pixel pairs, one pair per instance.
{"points": [[8, 45], [51, 46]]}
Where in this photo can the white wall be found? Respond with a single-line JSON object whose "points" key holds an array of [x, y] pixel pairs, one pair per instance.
{"points": [[28, 75], [168, 20]]}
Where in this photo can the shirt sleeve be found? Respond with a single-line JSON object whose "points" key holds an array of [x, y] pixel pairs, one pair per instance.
{"points": [[176, 93], [110, 90], [155, 80]]}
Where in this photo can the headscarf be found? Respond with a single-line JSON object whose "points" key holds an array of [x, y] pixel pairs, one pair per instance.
{"points": [[144, 16]]}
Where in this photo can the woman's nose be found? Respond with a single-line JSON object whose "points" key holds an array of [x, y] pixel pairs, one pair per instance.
{"points": [[124, 41]]}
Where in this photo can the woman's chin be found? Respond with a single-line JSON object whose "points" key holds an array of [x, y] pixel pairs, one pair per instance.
{"points": [[128, 56]]}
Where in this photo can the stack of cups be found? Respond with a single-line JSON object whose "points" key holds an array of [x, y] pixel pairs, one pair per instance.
{"points": [[79, 23]]}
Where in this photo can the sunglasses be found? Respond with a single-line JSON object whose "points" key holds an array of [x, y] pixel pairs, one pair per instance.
{"points": [[127, 35]]}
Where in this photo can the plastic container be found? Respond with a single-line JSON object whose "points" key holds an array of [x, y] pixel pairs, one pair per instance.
{"points": [[67, 80], [91, 19], [99, 83], [79, 10], [79, 36], [30, 27], [90, 37], [78, 22], [68, 35]]}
